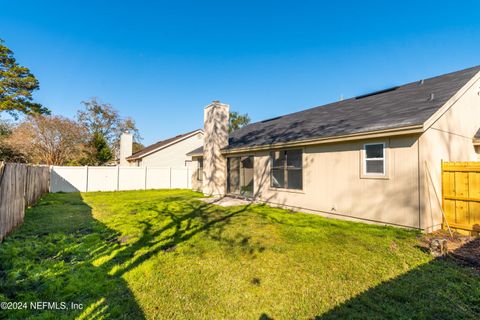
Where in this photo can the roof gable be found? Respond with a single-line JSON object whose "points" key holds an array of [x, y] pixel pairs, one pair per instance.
{"points": [[160, 145]]}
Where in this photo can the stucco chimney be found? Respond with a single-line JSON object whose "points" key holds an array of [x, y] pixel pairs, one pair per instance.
{"points": [[215, 138], [126, 144]]}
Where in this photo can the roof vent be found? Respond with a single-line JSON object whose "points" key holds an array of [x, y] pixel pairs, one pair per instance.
{"points": [[422, 82], [432, 96], [376, 92]]}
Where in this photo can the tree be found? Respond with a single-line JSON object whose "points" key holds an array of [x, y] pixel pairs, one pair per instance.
{"points": [[51, 140], [137, 146], [98, 152], [103, 119], [16, 86], [7, 153], [236, 121]]}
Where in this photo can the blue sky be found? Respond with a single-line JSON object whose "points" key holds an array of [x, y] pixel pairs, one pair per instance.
{"points": [[162, 62]]}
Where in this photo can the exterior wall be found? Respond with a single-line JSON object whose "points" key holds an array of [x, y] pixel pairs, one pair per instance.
{"points": [[172, 156], [477, 151], [333, 184], [448, 139], [197, 185]]}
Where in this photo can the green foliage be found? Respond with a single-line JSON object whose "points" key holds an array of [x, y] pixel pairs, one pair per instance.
{"points": [[104, 119], [164, 254], [16, 86], [98, 151], [103, 152], [137, 146], [236, 121], [5, 128], [7, 152]]}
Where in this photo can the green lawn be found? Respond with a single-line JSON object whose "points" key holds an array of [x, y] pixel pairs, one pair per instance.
{"points": [[165, 254]]}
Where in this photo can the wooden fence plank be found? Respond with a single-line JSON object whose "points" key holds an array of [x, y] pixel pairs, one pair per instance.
{"points": [[21, 186], [461, 195]]}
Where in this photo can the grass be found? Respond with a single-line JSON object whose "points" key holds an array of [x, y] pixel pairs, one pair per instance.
{"points": [[164, 254]]}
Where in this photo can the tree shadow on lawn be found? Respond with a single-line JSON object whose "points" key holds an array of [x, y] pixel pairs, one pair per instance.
{"points": [[50, 258], [61, 253], [187, 219], [445, 288]]}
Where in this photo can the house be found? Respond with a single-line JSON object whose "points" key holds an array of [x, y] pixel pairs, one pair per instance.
{"points": [[170, 152], [367, 158]]}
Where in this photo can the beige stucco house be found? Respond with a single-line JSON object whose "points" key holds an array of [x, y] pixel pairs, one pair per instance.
{"points": [[170, 152], [367, 158]]}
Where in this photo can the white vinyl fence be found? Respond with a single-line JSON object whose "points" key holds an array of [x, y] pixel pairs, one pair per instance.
{"points": [[85, 179]]}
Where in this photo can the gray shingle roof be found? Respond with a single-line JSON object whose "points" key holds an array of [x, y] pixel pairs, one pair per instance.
{"points": [[195, 152], [402, 106]]}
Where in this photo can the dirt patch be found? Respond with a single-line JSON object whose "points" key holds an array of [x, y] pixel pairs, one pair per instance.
{"points": [[464, 249], [469, 253]]}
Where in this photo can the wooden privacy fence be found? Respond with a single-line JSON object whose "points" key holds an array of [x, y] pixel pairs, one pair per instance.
{"points": [[21, 186], [461, 195]]}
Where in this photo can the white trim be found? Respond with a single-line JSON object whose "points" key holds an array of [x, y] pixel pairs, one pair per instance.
{"points": [[365, 159], [447, 105]]}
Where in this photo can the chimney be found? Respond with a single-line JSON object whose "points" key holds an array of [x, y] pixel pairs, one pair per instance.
{"points": [[126, 142], [215, 138]]}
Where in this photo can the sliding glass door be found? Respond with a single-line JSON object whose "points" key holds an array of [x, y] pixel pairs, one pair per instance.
{"points": [[240, 176]]}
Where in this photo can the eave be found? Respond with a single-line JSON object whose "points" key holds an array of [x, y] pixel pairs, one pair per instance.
{"points": [[416, 129]]}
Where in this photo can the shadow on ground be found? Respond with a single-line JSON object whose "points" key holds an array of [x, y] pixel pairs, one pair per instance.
{"points": [[62, 254], [49, 258], [445, 288]]}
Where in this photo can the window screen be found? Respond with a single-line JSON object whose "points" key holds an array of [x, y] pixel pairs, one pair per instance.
{"points": [[374, 159], [286, 169]]}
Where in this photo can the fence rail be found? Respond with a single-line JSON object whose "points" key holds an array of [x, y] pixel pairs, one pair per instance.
{"points": [[21, 186], [86, 179]]}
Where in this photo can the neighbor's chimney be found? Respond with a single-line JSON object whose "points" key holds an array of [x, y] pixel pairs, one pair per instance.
{"points": [[215, 138], [126, 142]]}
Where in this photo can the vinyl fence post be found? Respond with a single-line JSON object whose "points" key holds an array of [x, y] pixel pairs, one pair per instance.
{"points": [[86, 178], [145, 186], [118, 178], [50, 169]]}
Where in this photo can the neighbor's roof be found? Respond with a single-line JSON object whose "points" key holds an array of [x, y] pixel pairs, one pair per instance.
{"points": [[196, 152], [162, 144], [399, 107]]}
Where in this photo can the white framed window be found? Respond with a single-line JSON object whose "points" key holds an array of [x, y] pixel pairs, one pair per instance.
{"points": [[374, 159]]}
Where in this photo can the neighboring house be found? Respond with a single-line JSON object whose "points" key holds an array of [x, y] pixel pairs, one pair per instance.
{"points": [[171, 152], [366, 158]]}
